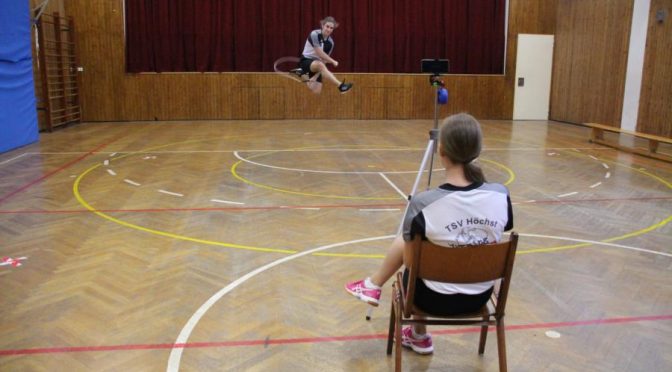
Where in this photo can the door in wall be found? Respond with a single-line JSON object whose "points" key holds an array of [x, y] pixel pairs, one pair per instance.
{"points": [[534, 65]]}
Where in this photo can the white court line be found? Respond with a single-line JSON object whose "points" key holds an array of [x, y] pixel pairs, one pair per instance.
{"points": [[567, 194], [605, 165], [113, 154], [111, 172], [592, 157], [170, 193], [595, 243], [595, 185], [225, 201], [14, 158], [607, 175], [131, 182], [183, 337], [394, 186], [309, 208], [176, 351], [237, 155]]}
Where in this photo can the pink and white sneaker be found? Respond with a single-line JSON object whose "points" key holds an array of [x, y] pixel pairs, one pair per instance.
{"points": [[420, 346], [364, 293]]}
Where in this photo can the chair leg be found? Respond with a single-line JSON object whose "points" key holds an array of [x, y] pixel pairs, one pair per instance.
{"points": [[397, 338], [390, 333], [484, 336], [501, 345]]}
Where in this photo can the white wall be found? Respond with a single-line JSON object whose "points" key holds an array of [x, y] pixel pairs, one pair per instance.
{"points": [[634, 71]]}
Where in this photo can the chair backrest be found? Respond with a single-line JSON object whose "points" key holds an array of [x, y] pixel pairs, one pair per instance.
{"points": [[463, 264]]}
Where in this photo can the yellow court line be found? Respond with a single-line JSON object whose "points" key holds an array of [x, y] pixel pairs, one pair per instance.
{"points": [[75, 190], [628, 235], [344, 255], [235, 174], [512, 175]]}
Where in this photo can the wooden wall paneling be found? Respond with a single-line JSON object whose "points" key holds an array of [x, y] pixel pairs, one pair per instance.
{"points": [[372, 103], [616, 38], [562, 66], [345, 106], [271, 102], [579, 62], [590, 61], [655, 103], [396, 104], [109, 94]]}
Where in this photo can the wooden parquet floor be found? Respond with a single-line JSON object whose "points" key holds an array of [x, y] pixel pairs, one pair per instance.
{"points": [[224, 246]]}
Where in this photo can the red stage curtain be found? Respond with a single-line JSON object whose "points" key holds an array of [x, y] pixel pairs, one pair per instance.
{"points": [[374, 35]]}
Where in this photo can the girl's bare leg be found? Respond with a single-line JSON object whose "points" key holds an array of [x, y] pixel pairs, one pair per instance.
{"points": [[392, 262]]}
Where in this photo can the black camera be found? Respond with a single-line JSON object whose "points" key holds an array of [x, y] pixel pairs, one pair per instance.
{"points": [[434, 66]]}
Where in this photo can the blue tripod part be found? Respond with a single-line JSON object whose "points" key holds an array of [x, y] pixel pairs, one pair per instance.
{"points": [[442, 96]]}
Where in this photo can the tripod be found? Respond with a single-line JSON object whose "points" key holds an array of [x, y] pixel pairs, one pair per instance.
{"points": [[432, 144], [430, 150]]}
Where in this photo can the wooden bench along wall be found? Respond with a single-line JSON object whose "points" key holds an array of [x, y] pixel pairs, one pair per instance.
{"points": [[597, 136]]}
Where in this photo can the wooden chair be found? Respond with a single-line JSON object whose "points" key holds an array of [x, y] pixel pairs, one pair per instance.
{"points": [[465, 264]]}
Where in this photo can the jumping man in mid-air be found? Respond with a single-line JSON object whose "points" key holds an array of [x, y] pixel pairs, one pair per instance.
{"points": [[315, 56]]}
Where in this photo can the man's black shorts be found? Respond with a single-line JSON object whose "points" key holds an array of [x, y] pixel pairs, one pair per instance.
{"points": [[304, 64]]}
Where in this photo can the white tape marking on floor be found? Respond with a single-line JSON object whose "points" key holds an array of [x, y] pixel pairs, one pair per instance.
{"points": [[225, 201], [131, 182], [12, 159], [595, 185], [111, 172], [170, 193], [567, 194]]}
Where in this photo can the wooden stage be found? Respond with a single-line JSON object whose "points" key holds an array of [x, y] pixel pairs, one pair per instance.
{"points": [[225, 246]]}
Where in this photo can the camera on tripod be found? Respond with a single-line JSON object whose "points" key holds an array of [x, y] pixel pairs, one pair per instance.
{"points": [[435, 67]]}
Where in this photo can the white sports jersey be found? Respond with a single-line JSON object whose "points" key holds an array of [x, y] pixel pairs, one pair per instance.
{"points": [[451, 216], [315, 40]]}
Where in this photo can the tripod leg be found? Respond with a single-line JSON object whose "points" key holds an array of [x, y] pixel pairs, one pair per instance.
{"points": [[428, 151], [368, 313]]}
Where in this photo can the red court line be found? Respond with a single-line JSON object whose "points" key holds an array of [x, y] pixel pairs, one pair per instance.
{"points": [[66, 165], [243, 209], [309, 340]]}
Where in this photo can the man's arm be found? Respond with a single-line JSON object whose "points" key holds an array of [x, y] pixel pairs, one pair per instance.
{"points": [[325, 57]]}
